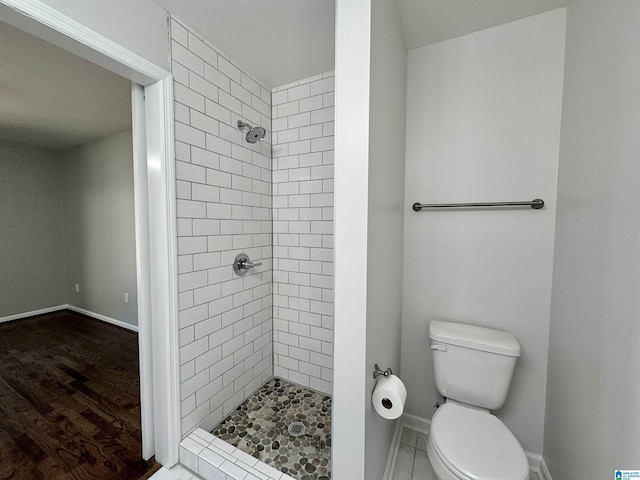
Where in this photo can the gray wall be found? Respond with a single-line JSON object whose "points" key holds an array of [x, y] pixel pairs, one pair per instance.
{"points": [[385, 223], [483, 124], [593, 413], [140, 26], [31, 241], [99, 227]]}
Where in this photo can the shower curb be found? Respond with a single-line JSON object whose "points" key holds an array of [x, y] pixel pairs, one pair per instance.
{"points": [[214, 459]]}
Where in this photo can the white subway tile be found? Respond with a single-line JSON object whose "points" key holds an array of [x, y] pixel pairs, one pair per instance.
{"points": [[311, 103], [303, 146], [183, 152], [190, 172], [202, 50], [298, 174], [278, 98], [179, 33], [229, 69], [328, 99], [204, 158], [206, 193], [204, 87], [230, 102], [181, 112], [204, 123], [216, 77], [241, 93], [259, 105], [180, 73], [218, 145], [286, 109], [322, 86], [321, 144], [190, 209], [189, 59], [217, 111], [323, 115], [187, 134]]}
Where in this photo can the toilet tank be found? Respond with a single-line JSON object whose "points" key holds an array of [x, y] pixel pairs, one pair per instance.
{"points": [[473, 365]]}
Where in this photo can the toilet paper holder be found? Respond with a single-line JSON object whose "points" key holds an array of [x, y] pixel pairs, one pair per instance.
{"points": [[377, 371]]}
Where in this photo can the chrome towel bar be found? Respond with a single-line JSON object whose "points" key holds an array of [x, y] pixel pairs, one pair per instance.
{"points": [[536, 204]]}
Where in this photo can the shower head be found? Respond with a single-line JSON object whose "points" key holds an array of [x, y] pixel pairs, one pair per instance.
{"points": [[255, 134]]}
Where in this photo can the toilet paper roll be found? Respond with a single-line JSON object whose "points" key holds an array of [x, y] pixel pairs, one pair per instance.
{"points": [[389, 396]]}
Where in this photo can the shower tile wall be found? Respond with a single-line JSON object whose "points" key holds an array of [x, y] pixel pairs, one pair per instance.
{"points": [[303, 117], [223, 208]]}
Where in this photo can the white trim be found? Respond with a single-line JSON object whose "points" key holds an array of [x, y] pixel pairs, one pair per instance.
{"points": [[103, 318], [33, 313], [41, 20], [353, 69], [164, 258], [416, 423], [143, 269], [542, 469], [32, 15], [392, 459], [73, 308]]}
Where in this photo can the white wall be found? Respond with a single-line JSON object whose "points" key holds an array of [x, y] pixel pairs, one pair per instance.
{"points": [[483, 124], [353, 32], [31, 238], [140, 25], [593, 414], [97, 181], [386, 217], [303, 231], [223, 208]]}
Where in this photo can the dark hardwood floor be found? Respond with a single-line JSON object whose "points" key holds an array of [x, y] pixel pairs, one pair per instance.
{"points": [[69, 400]]}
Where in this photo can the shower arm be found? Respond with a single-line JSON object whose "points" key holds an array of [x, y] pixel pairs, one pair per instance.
{"points": [[242, 125]]}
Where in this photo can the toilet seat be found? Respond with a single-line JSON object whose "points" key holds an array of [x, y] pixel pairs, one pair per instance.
{"points": [[473, 444]]}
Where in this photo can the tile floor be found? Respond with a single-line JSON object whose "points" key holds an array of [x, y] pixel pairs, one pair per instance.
{"points": [[413, 463], [176, 473]]}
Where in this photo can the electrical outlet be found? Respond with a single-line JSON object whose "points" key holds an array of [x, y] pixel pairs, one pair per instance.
{"points": [[77, 288], [126, 298]]}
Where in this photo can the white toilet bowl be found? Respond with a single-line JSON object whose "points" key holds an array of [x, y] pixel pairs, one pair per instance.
{"points": [[469, 443]]}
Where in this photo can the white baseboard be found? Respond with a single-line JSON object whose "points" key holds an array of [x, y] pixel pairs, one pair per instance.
{"points": [[544, 473], [416, 423], [393, 452], [104, 318], [73, 308], [422, 425], [33, 313]]}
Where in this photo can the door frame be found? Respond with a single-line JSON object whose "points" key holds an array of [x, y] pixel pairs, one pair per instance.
{"points": [[155, 216]]}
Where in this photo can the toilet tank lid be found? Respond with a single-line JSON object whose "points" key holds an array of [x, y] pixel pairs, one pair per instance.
{"points": [[472, 336]]}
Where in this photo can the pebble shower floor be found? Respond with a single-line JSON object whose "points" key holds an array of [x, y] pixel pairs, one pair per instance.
{"points": [[260, 427]]}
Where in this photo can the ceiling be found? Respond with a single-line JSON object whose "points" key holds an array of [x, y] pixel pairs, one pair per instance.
{"points": [[429, 21], [52, 99], [277, 41], [280, 41]]}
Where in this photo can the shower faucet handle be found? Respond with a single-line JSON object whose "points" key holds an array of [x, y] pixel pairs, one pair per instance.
{"points": [[242, 264]]}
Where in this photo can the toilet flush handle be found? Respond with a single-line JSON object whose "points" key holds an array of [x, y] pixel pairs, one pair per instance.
{"points": [[438, 346]]}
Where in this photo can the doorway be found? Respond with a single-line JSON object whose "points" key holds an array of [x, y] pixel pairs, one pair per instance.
{"points": [[154, 208]]}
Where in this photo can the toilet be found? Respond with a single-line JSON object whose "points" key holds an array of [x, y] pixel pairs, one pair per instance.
{"points": [[473, 367]]}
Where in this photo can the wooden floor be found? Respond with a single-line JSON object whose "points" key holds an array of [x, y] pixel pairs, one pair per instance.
{"points": [[69, 400]]}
